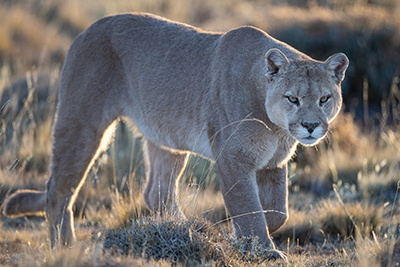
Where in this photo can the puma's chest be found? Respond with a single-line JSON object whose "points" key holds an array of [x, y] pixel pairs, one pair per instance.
{"points": [[281, 154]]}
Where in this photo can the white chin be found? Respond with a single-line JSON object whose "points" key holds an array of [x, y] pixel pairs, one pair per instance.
{"points": [[310, 141]]}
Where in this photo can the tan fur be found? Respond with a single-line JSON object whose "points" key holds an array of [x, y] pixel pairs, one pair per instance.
{"points": [[224, 96], [25, 202]]}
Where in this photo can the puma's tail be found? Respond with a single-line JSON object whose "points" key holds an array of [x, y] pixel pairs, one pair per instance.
{"points": [[25, 202]]}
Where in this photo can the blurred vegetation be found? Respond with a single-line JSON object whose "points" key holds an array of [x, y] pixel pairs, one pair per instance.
{"points": [[344, 194], [38, 33]]}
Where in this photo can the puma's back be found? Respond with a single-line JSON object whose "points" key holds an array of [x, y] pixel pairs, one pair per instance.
{"points": [[153, 65]]}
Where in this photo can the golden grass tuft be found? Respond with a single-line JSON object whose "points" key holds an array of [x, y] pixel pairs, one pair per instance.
{"points": [[350, 220]]}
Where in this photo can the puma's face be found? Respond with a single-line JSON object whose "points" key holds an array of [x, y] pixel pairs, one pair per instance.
{"points": [[303, 97]]}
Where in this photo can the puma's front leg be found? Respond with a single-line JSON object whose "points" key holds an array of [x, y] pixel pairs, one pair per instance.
{"points": [[240, 192], [245, 205]]}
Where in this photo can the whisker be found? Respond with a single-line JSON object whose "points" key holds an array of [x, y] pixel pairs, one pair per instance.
{"points": [[246, 214], [239, 122], [328, 136]]}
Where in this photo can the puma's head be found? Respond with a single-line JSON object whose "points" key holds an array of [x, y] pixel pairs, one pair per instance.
{"points": [[304, 95]]}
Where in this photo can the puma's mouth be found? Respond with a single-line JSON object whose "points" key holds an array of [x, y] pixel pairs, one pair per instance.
{"points": [[309, 140]]}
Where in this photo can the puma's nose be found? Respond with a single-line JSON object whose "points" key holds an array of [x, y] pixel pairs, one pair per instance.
{"points": [[310, 126]]}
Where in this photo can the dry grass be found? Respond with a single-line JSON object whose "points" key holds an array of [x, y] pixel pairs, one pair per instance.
{"points": [[344, 194]]}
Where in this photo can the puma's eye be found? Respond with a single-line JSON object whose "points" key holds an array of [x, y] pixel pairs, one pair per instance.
{"points": [[324, 99], [293, 99]]}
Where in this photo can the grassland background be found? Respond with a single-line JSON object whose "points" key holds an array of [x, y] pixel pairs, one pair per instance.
{"points": [[344, 207]]}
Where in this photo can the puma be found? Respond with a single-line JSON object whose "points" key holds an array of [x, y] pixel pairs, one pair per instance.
{"points": [[241, 99]]}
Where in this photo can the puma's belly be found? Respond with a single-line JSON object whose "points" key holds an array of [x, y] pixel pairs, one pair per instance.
{"points": [[179, 138]]}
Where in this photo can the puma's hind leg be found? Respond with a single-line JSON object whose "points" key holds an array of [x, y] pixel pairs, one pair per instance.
{"points": [[75, 145], [164, 169]]}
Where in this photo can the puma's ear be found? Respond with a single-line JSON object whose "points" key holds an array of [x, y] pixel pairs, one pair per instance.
{"points": [[337, 64], [275, 61]]}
